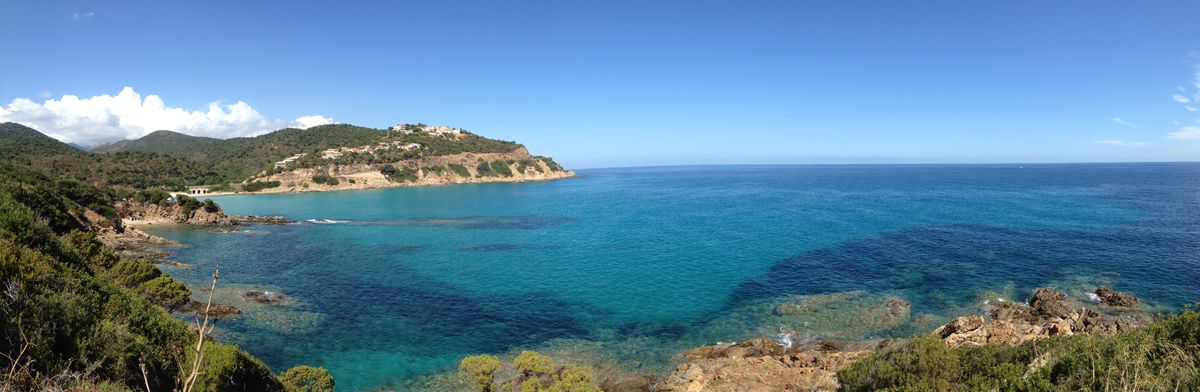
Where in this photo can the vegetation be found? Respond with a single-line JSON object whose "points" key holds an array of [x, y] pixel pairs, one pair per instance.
{"points": [[325, 179], [535, 372], [501, 168], [1163, 356], [459, 170], [406, 174], [74, 315], [484, 169], [307, 379], [256, 186]]}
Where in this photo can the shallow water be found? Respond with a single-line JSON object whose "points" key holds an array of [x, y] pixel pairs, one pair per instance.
{"points": [[415, 278]]}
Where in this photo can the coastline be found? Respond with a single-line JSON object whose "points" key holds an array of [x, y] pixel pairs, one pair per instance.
{"points": [[376, 184]]}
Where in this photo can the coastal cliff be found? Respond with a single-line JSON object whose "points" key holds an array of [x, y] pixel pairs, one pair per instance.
{"points": [[462, 168]]}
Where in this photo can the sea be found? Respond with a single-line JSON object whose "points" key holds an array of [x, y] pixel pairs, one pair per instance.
{"points": [[627, 267]]}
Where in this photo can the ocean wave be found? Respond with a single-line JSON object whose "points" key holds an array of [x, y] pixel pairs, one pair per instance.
{"points": [[325, 221]]}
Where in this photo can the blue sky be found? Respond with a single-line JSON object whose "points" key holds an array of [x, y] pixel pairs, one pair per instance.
{"points": [[615, 83]]}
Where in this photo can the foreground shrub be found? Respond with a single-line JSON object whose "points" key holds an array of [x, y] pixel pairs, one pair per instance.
{"points": [[1163, 356], [307, 379], [480, 371]]}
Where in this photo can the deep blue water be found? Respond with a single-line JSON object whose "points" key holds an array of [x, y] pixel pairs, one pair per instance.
{"points": [[418, 277]]}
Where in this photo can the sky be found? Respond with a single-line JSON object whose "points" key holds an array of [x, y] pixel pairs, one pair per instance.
{"points": [[615, 83]]}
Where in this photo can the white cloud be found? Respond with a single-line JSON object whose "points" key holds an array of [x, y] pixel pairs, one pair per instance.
{"points": [[307, 122], [1180, 98], [126, 115], [1122, 121], [1191, 109], [82, 15], [1185, 133], [1122, 143]]}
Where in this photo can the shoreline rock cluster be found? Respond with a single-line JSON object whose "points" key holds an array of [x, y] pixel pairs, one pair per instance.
{"points": [[763, 364], [1048, 313]]}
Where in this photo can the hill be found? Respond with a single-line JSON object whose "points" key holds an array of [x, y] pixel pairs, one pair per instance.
{"points": [[161, 142], [25, 147]]}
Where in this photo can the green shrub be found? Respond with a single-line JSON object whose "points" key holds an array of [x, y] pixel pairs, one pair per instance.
{"points": [[131, 273], [307, 379], [484, 169], [256, 186], [480, 371], [532, 363], [166, 292], [325, 179], [394, 174], [501, 168], [460, 170], [227, 368]]}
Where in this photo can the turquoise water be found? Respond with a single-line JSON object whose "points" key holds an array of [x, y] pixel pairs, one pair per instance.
{"points": [[409, 280]]}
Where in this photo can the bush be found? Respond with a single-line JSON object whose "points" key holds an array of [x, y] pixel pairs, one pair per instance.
{"points": [[228, 368], [166, 292], [1162, 356], [256, 186], [324, 179], [131, 273], [501, 168], [483, 169], [398, 175], [460, 170], [480, 371], [307, 379], [532, 363]]}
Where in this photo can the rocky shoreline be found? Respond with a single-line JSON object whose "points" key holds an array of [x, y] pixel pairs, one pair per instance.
{"points": [[764, 364]]}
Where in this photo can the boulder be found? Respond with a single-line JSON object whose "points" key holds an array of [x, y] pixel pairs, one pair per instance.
{"points": [[1115, 298], [1011, 311], [961, 325], [1050, 303], [1058, 327]]}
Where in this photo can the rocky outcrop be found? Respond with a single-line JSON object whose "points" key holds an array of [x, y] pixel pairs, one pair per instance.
{"points": [[1112, 297], [1048, 313], [764, 365], [369, 176], [173, 213]]}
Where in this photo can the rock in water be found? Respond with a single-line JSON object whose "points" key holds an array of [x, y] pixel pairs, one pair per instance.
{"points": [[1050, 303], [1115, 298]]}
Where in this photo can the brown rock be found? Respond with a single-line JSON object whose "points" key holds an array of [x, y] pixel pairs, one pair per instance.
{"points": [[1050, 303], [1058, 327], [1115, 298], [1011, 311], [621, 383], [961, 325]]}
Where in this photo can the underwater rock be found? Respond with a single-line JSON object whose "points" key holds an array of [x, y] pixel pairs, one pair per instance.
{"points": [[1112, 297], [791, 309], [217, 310], [263, 297]]}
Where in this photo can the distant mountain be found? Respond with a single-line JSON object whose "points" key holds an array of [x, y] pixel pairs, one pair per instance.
{"points": [[161, 142]]}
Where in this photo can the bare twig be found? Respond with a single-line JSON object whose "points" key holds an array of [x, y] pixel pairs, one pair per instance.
{"points": [[145, 377], [202, 330]]}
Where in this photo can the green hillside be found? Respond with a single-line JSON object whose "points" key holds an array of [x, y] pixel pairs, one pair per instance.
{"points": [[71, 306], [241, 158], [25, 147]]}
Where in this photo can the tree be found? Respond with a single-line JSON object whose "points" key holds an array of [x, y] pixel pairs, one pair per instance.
{"points": [[307, 379], [480, 371], [533, 364]]}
